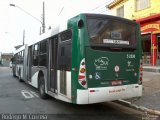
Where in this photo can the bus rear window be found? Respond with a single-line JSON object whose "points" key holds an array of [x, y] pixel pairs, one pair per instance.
{"points": [[113, 33]]}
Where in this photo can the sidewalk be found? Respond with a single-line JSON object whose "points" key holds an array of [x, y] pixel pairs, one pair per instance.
{"points": [[150, 100], [151, 69], [151, 93]]}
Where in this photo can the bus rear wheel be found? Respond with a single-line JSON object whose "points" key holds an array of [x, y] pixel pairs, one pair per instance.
{"points": [[43, 95]]}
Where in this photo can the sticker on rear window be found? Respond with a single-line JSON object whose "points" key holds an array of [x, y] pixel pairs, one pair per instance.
{"points": [[116, 35]]}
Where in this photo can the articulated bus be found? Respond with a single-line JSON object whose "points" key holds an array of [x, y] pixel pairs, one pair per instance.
{"points": [[95, 58]]}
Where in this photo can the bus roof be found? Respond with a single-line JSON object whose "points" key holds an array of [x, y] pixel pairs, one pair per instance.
{"points": [[19, 49]]}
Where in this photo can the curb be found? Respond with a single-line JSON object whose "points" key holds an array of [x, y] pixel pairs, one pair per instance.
{"points": [[151, 69], [137, 107]]}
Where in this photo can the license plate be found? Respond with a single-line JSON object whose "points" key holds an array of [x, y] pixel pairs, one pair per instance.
{"points": [[117, 82]]}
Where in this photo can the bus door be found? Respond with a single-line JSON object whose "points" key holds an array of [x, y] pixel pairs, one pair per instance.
{"points": [[29, 63], [64, 62], [53, 64]]}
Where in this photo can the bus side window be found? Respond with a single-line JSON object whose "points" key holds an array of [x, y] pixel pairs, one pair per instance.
{"points": [[43, 53], [21, 57], [14, 59], [35, 55], [18, 57], [65, 51]]}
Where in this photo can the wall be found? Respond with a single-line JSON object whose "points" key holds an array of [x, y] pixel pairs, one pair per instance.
{"points": [[130, 9]]}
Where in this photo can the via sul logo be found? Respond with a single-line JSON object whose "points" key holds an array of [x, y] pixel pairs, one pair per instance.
{"points": [[101, 63]]}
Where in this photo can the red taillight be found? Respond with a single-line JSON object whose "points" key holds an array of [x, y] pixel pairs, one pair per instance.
{"points": [[140, 72], [141, 69], [82, 74], [83, 82], [81, 77], [140, 78]]}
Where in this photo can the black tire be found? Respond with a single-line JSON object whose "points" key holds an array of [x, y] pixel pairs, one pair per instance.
{"points": [[14, 75], [20, 79], [43, 95]]}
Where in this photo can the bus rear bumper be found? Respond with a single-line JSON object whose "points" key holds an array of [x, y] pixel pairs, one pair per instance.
{"points": [[103, 94]]}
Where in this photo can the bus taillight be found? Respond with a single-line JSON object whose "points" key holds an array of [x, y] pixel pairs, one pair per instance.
{"points": [[82, 70], [140, 72], [82, 74]]}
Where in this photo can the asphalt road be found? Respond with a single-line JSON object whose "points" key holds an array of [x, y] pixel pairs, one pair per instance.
{"points": [[21, 101]]}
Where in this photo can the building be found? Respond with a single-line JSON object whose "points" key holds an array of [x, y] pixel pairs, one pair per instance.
{"points": [[6, 58], [150, 31], [147, 13]]}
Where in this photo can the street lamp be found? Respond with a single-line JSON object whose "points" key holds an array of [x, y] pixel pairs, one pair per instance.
{"points": [[42, 22]]}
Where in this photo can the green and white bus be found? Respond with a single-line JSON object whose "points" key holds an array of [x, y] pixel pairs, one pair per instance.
{"points": [[92, 58]]}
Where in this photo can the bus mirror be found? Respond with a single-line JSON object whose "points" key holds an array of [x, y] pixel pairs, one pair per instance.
{"points": [[80, 23]]}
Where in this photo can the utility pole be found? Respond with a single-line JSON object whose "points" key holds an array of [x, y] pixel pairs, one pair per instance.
{"points": [[43, 19]]}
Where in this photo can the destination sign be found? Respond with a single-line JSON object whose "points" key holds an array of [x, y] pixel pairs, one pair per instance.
{"points": [[111, 41]]}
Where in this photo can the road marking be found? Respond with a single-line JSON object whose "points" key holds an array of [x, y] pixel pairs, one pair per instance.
{"points": [[28, 94], [34, 93]]}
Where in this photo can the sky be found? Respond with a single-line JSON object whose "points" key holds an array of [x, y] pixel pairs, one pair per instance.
{"points": [[15, 20]]}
